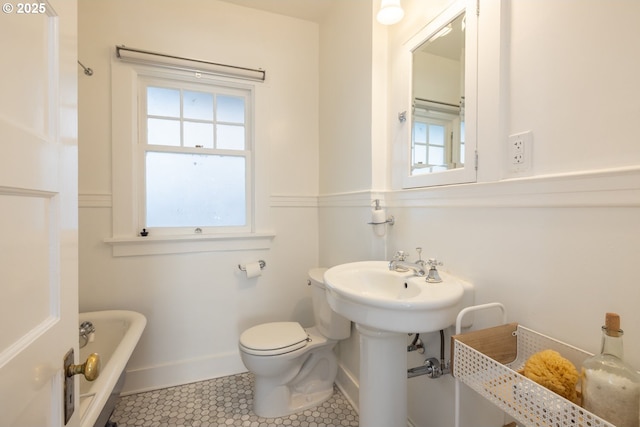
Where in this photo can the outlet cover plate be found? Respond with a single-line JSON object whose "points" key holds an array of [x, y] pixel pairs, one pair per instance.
{"points": [[520, 153]]}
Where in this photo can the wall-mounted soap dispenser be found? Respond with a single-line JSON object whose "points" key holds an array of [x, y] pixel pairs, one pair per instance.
{"points": [[379, 219]]}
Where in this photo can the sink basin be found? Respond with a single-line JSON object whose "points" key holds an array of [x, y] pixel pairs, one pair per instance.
{"points": [[370, 294]]}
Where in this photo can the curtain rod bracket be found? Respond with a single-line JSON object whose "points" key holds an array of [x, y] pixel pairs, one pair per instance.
{"points": [[87, 71]]}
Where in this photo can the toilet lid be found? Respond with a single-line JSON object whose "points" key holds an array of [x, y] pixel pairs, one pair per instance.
{"points": [[274, 338]]}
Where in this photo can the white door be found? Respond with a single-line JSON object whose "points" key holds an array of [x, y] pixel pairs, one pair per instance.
{"points": [[38, 209]]}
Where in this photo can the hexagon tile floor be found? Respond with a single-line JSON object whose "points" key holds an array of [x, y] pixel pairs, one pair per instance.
{"points": [[221, 402]]}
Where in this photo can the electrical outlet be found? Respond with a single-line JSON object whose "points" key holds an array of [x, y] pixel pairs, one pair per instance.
{"points": [[520, 152], [518, 144], [518, 159]]}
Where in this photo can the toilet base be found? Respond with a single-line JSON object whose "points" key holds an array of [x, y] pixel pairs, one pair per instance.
{"points": [[278, 402], [311, 384], [291, 382]]}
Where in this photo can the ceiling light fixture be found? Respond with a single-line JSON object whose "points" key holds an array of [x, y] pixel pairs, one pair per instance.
{"points": [[390, 12]]}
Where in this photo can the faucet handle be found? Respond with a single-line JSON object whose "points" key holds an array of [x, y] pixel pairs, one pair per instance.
{"points": [[432, 275], [400, 256], [433, 263]]}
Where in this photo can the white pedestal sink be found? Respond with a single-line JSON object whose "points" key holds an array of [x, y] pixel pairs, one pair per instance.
{"points": [[386, 306]]}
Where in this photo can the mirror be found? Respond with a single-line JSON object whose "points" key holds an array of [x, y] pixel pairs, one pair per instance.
{"points": [[438, 125], [439, 140]]}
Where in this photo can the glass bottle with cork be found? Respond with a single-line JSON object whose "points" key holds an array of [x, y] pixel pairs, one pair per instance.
{"points": [[611, 387]]}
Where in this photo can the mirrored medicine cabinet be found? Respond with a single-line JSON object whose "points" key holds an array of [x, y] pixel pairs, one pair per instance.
{"points": [[441, 142]]}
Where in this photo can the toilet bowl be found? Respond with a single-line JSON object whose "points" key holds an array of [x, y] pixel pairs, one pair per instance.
{"points": [[294, 367]]}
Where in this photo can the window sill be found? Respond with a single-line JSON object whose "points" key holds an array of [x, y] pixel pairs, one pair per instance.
{"points": [[161, 245]]}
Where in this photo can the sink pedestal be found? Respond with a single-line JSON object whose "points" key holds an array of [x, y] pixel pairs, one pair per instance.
{"points": [[383, 378]]}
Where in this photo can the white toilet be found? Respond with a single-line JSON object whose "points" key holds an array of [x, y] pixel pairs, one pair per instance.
{"points": [[294, 367]]}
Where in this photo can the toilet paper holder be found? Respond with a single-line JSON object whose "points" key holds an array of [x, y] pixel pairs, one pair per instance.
{"points": [[261, 262]]}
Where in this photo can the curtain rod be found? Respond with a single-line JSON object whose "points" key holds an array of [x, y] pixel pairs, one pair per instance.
{"points": [[437, 102], [227, 70]]}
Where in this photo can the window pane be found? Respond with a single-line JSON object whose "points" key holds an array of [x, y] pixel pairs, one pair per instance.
{"points": [[230, 109], [163, 102], [198, 134], [436, 135], [163, 132], [436, 155], [195, 190], [420, 132], [230, 137], [419, 154], [198, 105]]}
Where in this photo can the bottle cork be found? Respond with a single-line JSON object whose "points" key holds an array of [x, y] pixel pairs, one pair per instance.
{"points": [[612, 324]]}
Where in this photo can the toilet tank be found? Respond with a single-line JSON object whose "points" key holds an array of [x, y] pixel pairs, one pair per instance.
{"points": [[328, 322]]}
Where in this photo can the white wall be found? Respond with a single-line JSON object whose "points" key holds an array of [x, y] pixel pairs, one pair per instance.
{"points": [[576, 85], [346, 98], [198, 304], [559, 247]]}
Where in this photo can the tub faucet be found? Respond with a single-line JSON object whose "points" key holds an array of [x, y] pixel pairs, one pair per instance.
{"points": [[86, 329], [399, 263]]}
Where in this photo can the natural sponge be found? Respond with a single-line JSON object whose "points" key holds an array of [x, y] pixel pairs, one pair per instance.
{"points": [[549, 369]]}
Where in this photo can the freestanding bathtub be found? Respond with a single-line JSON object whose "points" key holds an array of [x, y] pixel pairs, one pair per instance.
{"points": [[116, 335]]}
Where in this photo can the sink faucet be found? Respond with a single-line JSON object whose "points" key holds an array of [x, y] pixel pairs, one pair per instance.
{"points": [[420, 268], [399, 263]]}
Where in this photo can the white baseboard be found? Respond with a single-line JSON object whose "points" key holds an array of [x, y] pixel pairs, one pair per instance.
{"points": [[182, 372], [349, 386]]}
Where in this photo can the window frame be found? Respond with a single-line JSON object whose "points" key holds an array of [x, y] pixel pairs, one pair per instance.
{"points": [[126, 238], [143, 147]]}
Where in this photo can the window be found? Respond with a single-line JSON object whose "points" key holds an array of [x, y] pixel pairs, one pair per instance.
{"points": [[184, 162], [432, 148], [194, 157], [428, 145]]}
